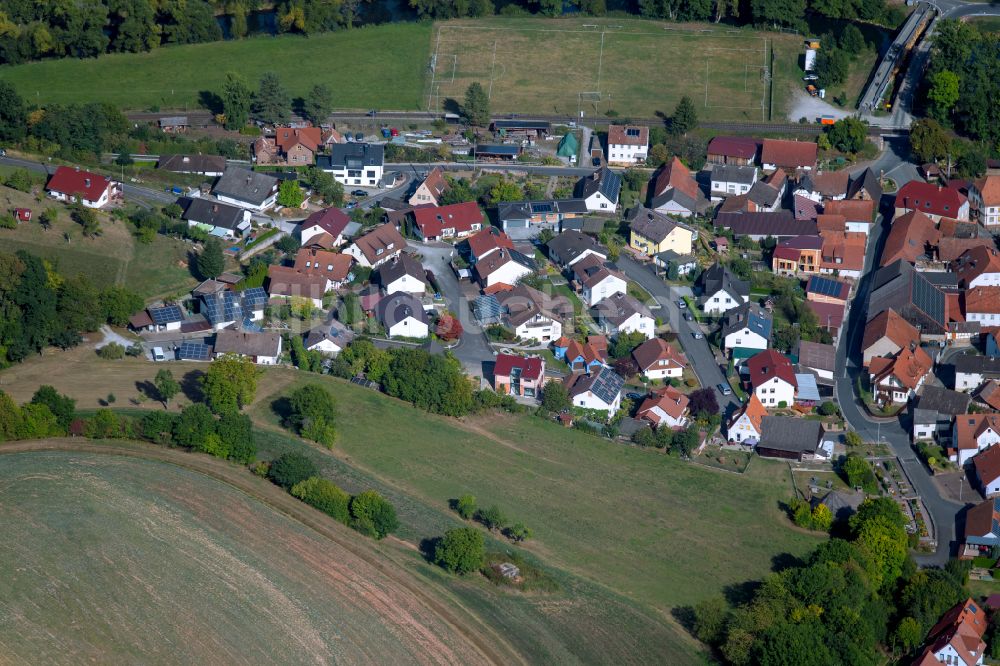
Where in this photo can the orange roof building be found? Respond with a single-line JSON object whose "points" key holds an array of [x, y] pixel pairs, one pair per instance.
{"points": [[886, 335], [895, 379], [911, 237], [746, 425], [665, 407]]}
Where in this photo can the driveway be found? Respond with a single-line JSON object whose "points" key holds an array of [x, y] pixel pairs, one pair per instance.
{"points": [[698, 353], [811, 108]]}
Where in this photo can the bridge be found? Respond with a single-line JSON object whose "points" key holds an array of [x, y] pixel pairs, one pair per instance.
{"points": [[895, 58]]}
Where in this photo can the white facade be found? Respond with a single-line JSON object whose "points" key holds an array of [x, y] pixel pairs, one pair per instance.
{"points": [[722, 301], [539, 328], [588, 400], [609, 286], [369, 176], [990, 215], [724, 188], [985, 318], [627, 154], [267, 203], [409, 327], [382, 255], [407, 283], [638, 323], [743, 429], [746, 339], [774, 392], [510, 273], [924, 430], [666, 419], [985, 280], [857, 227], [598, 202], [967, 381], [674, 208], [100, 202], [663, 368], [325, 346], [308, 232], [950, 656]]}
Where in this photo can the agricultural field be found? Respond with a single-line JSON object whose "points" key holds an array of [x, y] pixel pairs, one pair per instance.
{"points": [[379, 67], [113, 559]]}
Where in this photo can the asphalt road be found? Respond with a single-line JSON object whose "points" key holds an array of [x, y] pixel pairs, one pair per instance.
{"points": [[697, 351]]}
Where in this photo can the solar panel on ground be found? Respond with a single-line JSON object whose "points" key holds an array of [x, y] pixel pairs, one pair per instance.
{"points": [[367, 383], [166, 314], [194, 350]]}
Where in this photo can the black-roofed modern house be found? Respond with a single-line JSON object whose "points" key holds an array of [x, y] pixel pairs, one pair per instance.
{"points": [[600, 190], [601, 390], [570, 247], [731, 180], [218, 219], [721, 291], [521, 219], [497, 152], [403, 316], [789, 438], [246, 189], [354, 163]]}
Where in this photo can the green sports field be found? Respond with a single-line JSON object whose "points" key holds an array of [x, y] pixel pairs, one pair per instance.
{"points": [[528, 65]]}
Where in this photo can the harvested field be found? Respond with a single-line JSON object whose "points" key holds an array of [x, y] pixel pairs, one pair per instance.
{"points": [[111, 559]]}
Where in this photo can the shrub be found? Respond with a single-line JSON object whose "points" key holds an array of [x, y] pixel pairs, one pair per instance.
{"points": [[466, 506], [291, 468], [492, 517], [828, 408], [325, 496], [111, 351], [461, 550], [373, 515], [313, 414], [261, 468], [518, 532]]}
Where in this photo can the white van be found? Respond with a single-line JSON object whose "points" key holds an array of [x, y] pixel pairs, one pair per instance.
{"points": [[158, 354]]}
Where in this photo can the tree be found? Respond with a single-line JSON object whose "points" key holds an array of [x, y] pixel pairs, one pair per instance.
{"points": [[929, 140], [13, 114], [211, 262], [518, 532], [326, 186], [313, 414], [325, 496], [62, 407], [685, 117], [827, 408], [193, 426], [290, 194], [848, 135], [271, 103], [236, 101], [853, 439], [505, 190], [19, 179], [555, 397], [118, 304], [492, 517], [166, 386], [318, 104], [832, 66], [703, 401], [851, 40], [626, 367], [48, 217], [111, 351], [908, 635], [288, 244], [943, 94], [822, 518], [858, 473], [476, 109], [623, 345], [373, 515], [87, 219], [291, 468], [466, 506], [710, 616], [230, 383], [461, 550]]}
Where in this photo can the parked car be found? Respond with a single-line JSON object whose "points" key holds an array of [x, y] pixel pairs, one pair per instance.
{"points": [[724, 389], [359, 193], [634, 396], [3, 152], [688, 316], [351, 204], [698, 335], [158, 354], [681, 304]]}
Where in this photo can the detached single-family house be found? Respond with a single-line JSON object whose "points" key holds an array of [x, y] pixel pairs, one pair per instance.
{"points": [[622, 313], [957, 638], [377, 246], [627, 144], [290, 145], [674, 191], [224, 308], [596, 281], [335, 267], [746, 330], [218, 219], [772, 378], [486, 242], [823, 185], [987, 466], [971, 434], [985, 196], [430, 189], [652, 233], [532, 315], [286, 283], [519, 375], [90, 189], [978, 267], [354, 163], [737, 150], [262, 348], [934, 201], [600, 190], [583, 356], [403, 274], [789, 438], [657, 359], [330, 338], [721, 291], [324, 227], [982, 527], [570, 247], [935, 409], [791, 156], [403, 316], [527, 218], [895, 379], [971, 371], [455, 221], [212, 166], [503, 269], [167, 317], [731, 180], [745, 427], [247, 189], [600, 390], [665, 407]]}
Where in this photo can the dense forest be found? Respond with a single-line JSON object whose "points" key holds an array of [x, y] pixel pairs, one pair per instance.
{"points": [[37, 29]]}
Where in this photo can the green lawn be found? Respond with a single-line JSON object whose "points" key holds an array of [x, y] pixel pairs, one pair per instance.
{"points": [[381, 67]]}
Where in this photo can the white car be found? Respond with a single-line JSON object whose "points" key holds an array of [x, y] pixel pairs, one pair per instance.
{"points": [[158, 354]]}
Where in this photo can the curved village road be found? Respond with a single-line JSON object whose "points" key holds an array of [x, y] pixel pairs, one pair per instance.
{"points": [[492, 646]]}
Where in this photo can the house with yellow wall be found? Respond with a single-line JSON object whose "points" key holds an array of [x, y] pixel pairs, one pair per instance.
{"points": [[652, 233]]}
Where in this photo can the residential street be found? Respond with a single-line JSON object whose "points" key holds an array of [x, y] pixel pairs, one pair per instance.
{"points": [[698, 353]]}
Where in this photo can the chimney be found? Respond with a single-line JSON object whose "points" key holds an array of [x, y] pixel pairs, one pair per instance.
{"points": [[215, 208], [86, 182]]}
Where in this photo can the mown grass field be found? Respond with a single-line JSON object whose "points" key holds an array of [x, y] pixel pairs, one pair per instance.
{"points": [[114, 560], [365, 68]]}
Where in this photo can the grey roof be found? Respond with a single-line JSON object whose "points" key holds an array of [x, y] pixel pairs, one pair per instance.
{"points": [[588, 225], [404, 264], [923, 416], [524, 210], [651, 224], [618, 308], [521, 124], [332, 330], [352, 156], [605, 383], [668, 256], [973, 364], [395, 308], [763, 194], [717, 278], [817, 356], [790, 434], [192, 163], [868, 181], [941, 279], [748, 315], [675, 195], [571, 244], [497, 149], [169, 121], [521, 303], [900, 287], [248, 344], [779, 224], [244, 185], [734, 173], [214, 213], [604, 180], [942, 400]]}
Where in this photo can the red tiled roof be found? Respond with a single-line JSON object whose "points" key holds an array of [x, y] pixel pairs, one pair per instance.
{"points": [[889, 324], [652, 351], [436, 182], [828, 315], [734, 146], [530, 367], [618, 135], [384, 237], [789, 154], [975, 262], [667, 399], [331, 265], [76, 182], [767, 364], [929, 198], [331, 220], [755, 411], [848, 248], [982, 300], [908, 367], [990, 394], [988, 464], [286, 281], [909, 237], [487, 240], [950, 248], [968, 428], [287, 137], [831, 222], [989, 189], [460, 217], [805, 208], [853, 210], [675, 174]]}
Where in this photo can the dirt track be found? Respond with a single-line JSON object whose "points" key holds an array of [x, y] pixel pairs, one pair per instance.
{"points": [[479, 635]]}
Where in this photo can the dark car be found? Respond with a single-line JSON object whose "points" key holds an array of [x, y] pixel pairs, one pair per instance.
{"points": [[634, 396], [724, 389], [688, 316], [359, 193]]}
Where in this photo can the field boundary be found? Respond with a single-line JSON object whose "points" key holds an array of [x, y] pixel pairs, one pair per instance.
{"points": [[283, 503]]}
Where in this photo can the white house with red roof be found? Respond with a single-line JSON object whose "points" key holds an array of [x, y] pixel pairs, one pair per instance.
{"points": [[772, 379], [746, 426], [454, 221], [957, 638], [665, 407], [486, 242], [330, 221], [896, 379], [73, 184], [658, 360], [934, 201], [972, 433], [519, 375]]}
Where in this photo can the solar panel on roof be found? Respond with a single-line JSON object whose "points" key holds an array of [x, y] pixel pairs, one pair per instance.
{"points": [[165, 314], [487, 309], [254, 296], [632, 131], [541, 208], [824, 286], [193, 350], [928, 298]]}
